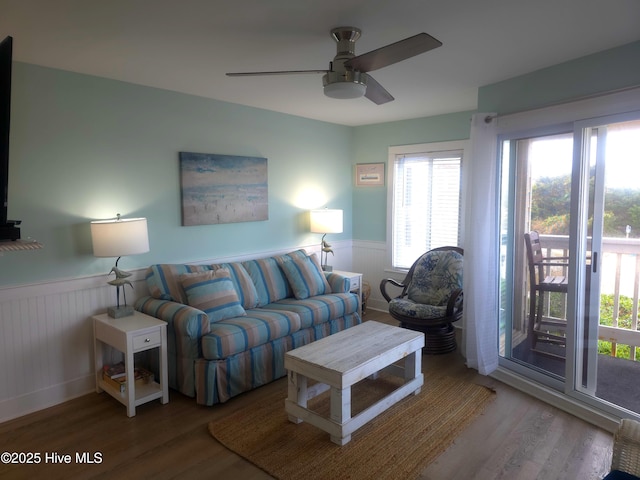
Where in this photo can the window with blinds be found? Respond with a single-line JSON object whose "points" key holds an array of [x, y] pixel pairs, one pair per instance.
{"points": [[426, 204]]}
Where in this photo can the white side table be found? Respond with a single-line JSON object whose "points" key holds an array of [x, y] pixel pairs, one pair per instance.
{"points": [[132, 334], [356, 285]]}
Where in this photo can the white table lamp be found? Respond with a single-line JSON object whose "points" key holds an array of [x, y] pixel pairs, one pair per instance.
{"points": [[116, 238], [326, 221]]}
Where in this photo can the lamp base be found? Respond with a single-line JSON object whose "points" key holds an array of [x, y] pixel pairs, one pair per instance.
{"points": [[121, 311], [327, 268]]}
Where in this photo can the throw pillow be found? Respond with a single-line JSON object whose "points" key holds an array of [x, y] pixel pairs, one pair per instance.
{"points": [[305, 276], [269, 279], [163, 280], [245, 288], [213, 293]]}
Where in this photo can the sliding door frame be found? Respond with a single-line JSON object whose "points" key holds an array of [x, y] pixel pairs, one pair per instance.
{"points": [[565, 395]]}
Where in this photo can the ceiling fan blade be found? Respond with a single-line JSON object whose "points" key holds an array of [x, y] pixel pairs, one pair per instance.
{"points": [[285, 72], [376, 92], [393, 53]]}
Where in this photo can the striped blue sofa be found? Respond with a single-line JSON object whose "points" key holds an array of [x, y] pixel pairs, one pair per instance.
{"points": [[230, 324]]}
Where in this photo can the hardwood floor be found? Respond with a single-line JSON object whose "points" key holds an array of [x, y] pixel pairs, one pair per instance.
{"points": [[517, 437]]}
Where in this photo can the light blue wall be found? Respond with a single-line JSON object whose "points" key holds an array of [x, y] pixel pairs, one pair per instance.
{"points": [[85, 148], [604, 71], [371, 145]]}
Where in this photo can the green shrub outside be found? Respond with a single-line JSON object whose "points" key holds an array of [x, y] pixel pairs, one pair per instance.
{"points": [[625, 314]]}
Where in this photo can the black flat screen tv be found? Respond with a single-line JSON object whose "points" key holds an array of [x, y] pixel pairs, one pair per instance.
{"points": [[8, 229]]}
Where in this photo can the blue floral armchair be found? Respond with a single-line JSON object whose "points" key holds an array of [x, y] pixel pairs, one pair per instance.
{"points": [[431, 298]]}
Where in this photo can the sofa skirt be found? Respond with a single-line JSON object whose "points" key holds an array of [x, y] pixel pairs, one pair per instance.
{"points": [[219, 380]]}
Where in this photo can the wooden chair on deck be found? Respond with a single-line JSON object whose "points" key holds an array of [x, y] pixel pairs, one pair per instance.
{"points": [[551, 331]]}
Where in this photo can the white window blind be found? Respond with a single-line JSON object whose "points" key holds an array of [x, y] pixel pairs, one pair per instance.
{"points": [[426, 204]]}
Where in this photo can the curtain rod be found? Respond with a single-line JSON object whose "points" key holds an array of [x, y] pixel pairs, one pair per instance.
{"points": [[490, 118]]}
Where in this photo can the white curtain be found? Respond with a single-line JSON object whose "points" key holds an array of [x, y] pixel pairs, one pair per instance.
{"points": [[481, 247]]}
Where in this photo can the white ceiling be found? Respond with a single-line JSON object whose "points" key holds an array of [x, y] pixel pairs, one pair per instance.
{"points": [[189, 45]]}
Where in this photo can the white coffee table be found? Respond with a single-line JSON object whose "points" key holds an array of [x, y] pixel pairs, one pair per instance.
{"points": [[341, 360]]}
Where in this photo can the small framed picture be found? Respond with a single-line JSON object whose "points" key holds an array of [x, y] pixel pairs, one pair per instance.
{"points": [[370, 174]]}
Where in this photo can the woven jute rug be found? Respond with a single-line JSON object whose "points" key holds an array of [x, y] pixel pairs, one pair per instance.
{"points": [[398, 444]]}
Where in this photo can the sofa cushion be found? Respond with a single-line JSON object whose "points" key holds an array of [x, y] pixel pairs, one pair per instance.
{"points": [[318, 309], [242, 281], [269, 280], [305, 275], [164, 283], [213, 293], [258, 327]]}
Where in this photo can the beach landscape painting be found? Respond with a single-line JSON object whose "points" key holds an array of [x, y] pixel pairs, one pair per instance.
{"points": [[223, 189]]}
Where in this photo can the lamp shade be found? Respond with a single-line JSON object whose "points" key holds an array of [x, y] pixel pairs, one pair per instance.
{"points": [[326, 221], [119, 237]]}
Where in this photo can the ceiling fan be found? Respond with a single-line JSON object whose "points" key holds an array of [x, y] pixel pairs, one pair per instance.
{"points": [[348, 76]]}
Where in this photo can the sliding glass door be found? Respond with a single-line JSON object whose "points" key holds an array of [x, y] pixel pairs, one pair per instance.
{"points": [[573, 325], [536, 196], [607, 261]]}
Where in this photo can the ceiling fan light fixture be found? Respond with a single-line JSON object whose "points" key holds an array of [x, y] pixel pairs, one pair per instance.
{"points": [[345, 90], [344, 85]]}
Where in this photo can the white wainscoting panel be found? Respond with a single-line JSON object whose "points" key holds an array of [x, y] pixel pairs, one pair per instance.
{"points": [[369, 258], [46, 334], [46, 346]]}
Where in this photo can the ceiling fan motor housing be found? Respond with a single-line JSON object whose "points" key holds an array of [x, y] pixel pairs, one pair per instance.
{"points": [[346, 38], [341, 82]]}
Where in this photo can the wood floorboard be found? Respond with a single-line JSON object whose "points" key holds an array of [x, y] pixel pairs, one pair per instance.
{"points": [[516, 437]]}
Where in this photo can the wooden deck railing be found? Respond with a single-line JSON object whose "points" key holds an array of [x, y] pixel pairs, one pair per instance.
{"points": [[620, 276]]}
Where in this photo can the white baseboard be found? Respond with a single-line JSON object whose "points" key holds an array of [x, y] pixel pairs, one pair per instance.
{"points": [[32, 402]]}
